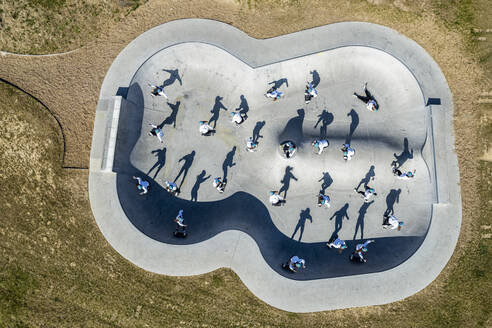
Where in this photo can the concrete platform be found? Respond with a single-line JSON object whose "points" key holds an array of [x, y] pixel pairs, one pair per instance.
{"points": [[221, 68]]}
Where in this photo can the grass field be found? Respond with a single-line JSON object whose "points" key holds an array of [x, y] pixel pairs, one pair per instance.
{"points": [[57, 270]]}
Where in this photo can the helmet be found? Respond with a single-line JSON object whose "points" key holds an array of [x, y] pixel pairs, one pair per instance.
{"points": [[364, 249], [272, 193], [298, 265]]}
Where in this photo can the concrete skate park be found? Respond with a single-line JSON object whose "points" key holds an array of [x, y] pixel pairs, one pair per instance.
{"points": [[210, 69]]}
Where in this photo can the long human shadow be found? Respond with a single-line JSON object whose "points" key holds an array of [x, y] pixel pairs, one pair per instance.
{"points": [[200, 178], [325, 118], [187, 162], [339, 216], [228, 163], [161, 161], [392, 198], [243, 106], [353, 125], [171, 119], [369, 175], [174, 76], [316, 79], [293, 129], [405, 155], [216, 110], [278, 83], [305, 215], [327, 181], [360, 219], [153, 215], [288, 175], [256, 131]]}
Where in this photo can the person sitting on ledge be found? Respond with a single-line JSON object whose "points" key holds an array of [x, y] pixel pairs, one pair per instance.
{"points": [[391, 222], [205, 129], [348, 152], [323, 200], [172, 188], [219, 185], [310, 93], [275, 199], [368, 99], [156, 132], [320, 145], [142, 185]]}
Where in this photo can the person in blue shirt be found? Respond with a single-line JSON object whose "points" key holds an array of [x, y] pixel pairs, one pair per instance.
{"points": [[142, 185]]}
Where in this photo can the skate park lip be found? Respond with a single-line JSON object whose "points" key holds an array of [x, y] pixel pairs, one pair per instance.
{"points": [[239, 229]]}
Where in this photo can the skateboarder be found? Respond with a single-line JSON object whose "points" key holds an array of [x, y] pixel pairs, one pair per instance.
{"points": [[238, 117], [368, 99], [219, 185], [310, 93], [142, 185], [156, 132], [157, 91], [338, 244], [295, 263], [348, 152], [359, 250], [320, 145], [323, 200], [251, 145], [402, 175], [180, 226], [275, 199], [274, 93], [367, 194], [288, 149], [391, 222], [205, 129], [171, 187]]}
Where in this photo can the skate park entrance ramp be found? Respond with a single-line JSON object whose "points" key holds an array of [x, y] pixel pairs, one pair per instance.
{"points": [[209, 70]]}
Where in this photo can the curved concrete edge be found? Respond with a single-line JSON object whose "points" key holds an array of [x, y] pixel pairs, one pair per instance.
{"points": [[245, 259]]}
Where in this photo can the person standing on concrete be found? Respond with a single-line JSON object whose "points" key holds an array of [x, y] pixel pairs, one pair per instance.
{"points": [[402, 175], [274, 93], [338, 244], [320, 145], [205, 129], [275, 198], [310, 93], [296, 263], [142, 185], [171, 187], [359, 250], [323, 200], [288, 149], [367, 193], [218, 184], [238, 118], [368, 99], [348, 152], [391, 222], [157, 91], [251, 145], [156, 132]]}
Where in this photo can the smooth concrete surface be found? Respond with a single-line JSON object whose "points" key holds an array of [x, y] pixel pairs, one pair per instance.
{"points": [[239, 229]]}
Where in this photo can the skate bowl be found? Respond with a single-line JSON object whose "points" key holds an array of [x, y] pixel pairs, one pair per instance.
{"points": [[210, 69]]}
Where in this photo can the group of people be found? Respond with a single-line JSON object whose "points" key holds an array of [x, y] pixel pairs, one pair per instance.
{"points": [[289, 149]]}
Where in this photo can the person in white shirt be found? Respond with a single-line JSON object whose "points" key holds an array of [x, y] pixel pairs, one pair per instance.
{"points": [[320, 145], [368, 99], [142, 185], [348, 152], [218, 184], [156, 132], [238, 117], [367, 193], [391, 222], [338, 244], [158, 91], [323, 200], [205, 129], [275, 199], [251, 145], [359, 250]]}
